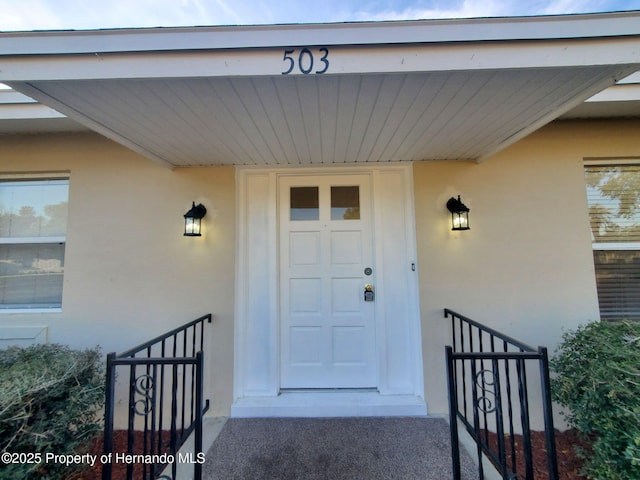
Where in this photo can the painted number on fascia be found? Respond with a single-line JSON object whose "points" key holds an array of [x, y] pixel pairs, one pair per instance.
{"points": [[303, 60]]}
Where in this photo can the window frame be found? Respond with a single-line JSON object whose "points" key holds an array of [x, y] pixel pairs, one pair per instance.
{"points": [[608, 246], [31, 240]]}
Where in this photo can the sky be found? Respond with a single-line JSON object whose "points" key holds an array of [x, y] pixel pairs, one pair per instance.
{"points": [[20, 15]]}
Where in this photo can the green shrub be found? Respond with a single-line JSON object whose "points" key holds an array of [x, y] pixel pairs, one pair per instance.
{"points": [[597, 379], [50, 399]]}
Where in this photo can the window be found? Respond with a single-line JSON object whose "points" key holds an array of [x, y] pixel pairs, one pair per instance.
{"points": [[613, 193], [345, 203], [33, 224], [305, 203]]}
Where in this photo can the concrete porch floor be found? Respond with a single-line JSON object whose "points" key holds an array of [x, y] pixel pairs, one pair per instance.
{"points": [[363, 448]]}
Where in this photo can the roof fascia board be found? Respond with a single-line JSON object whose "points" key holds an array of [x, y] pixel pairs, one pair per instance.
{"points": [[27, 111], [341, 60], [365, 33], [13, 97], [619, 93], [633, 78]]}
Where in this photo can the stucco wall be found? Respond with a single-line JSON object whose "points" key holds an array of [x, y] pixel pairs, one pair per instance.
{"points": [[526, 266], [130, 274]]}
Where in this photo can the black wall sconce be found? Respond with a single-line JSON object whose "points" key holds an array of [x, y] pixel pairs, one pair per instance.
{"points": [[459, 214], [193, 219]]}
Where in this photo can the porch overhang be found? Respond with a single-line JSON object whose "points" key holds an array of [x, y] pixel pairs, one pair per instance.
{"points": [[324, 94]]}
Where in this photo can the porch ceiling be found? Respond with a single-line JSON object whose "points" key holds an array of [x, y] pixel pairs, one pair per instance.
{"points": [[448, 98], [327, 119]]}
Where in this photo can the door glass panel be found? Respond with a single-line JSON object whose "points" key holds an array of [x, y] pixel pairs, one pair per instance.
{"points": [[345, 203], [305, 204]]}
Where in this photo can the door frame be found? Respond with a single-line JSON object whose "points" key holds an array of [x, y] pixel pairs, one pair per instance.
{"points": [[256, 326]]}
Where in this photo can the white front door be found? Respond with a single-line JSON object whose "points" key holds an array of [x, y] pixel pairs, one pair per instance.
{"points": [[327, 328]]}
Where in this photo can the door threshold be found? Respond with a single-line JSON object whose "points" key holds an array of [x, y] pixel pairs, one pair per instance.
{"points": [[329, 403], [285, 391]]}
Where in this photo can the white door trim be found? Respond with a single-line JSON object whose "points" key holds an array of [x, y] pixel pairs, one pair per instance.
{"points": [[256, 342]]}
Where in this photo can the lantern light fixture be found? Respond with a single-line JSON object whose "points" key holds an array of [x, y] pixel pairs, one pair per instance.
{"points": [[193, 219], [459, 214]]}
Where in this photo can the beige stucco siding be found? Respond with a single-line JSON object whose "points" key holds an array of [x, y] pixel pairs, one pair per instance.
{"points": [[526, 265], [130, 274]]}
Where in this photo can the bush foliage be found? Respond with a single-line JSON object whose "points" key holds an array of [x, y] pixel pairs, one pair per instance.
{"points": [[597, 379], [50, 399]]}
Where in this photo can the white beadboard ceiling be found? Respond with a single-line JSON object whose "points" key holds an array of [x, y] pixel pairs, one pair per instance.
{"points": [[299, 120]]}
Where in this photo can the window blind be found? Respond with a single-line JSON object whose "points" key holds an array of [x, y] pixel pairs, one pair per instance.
{"points": [[618, 281]]}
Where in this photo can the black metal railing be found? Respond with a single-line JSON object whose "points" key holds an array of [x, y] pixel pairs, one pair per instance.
{"points": [[491, 396], [163, 384]]}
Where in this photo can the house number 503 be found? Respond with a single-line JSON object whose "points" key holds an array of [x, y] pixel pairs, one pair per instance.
{"points": [[305, 61]]}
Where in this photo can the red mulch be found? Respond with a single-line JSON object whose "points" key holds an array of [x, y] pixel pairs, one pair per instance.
{"points": [[569, 464], [118, 470]]}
